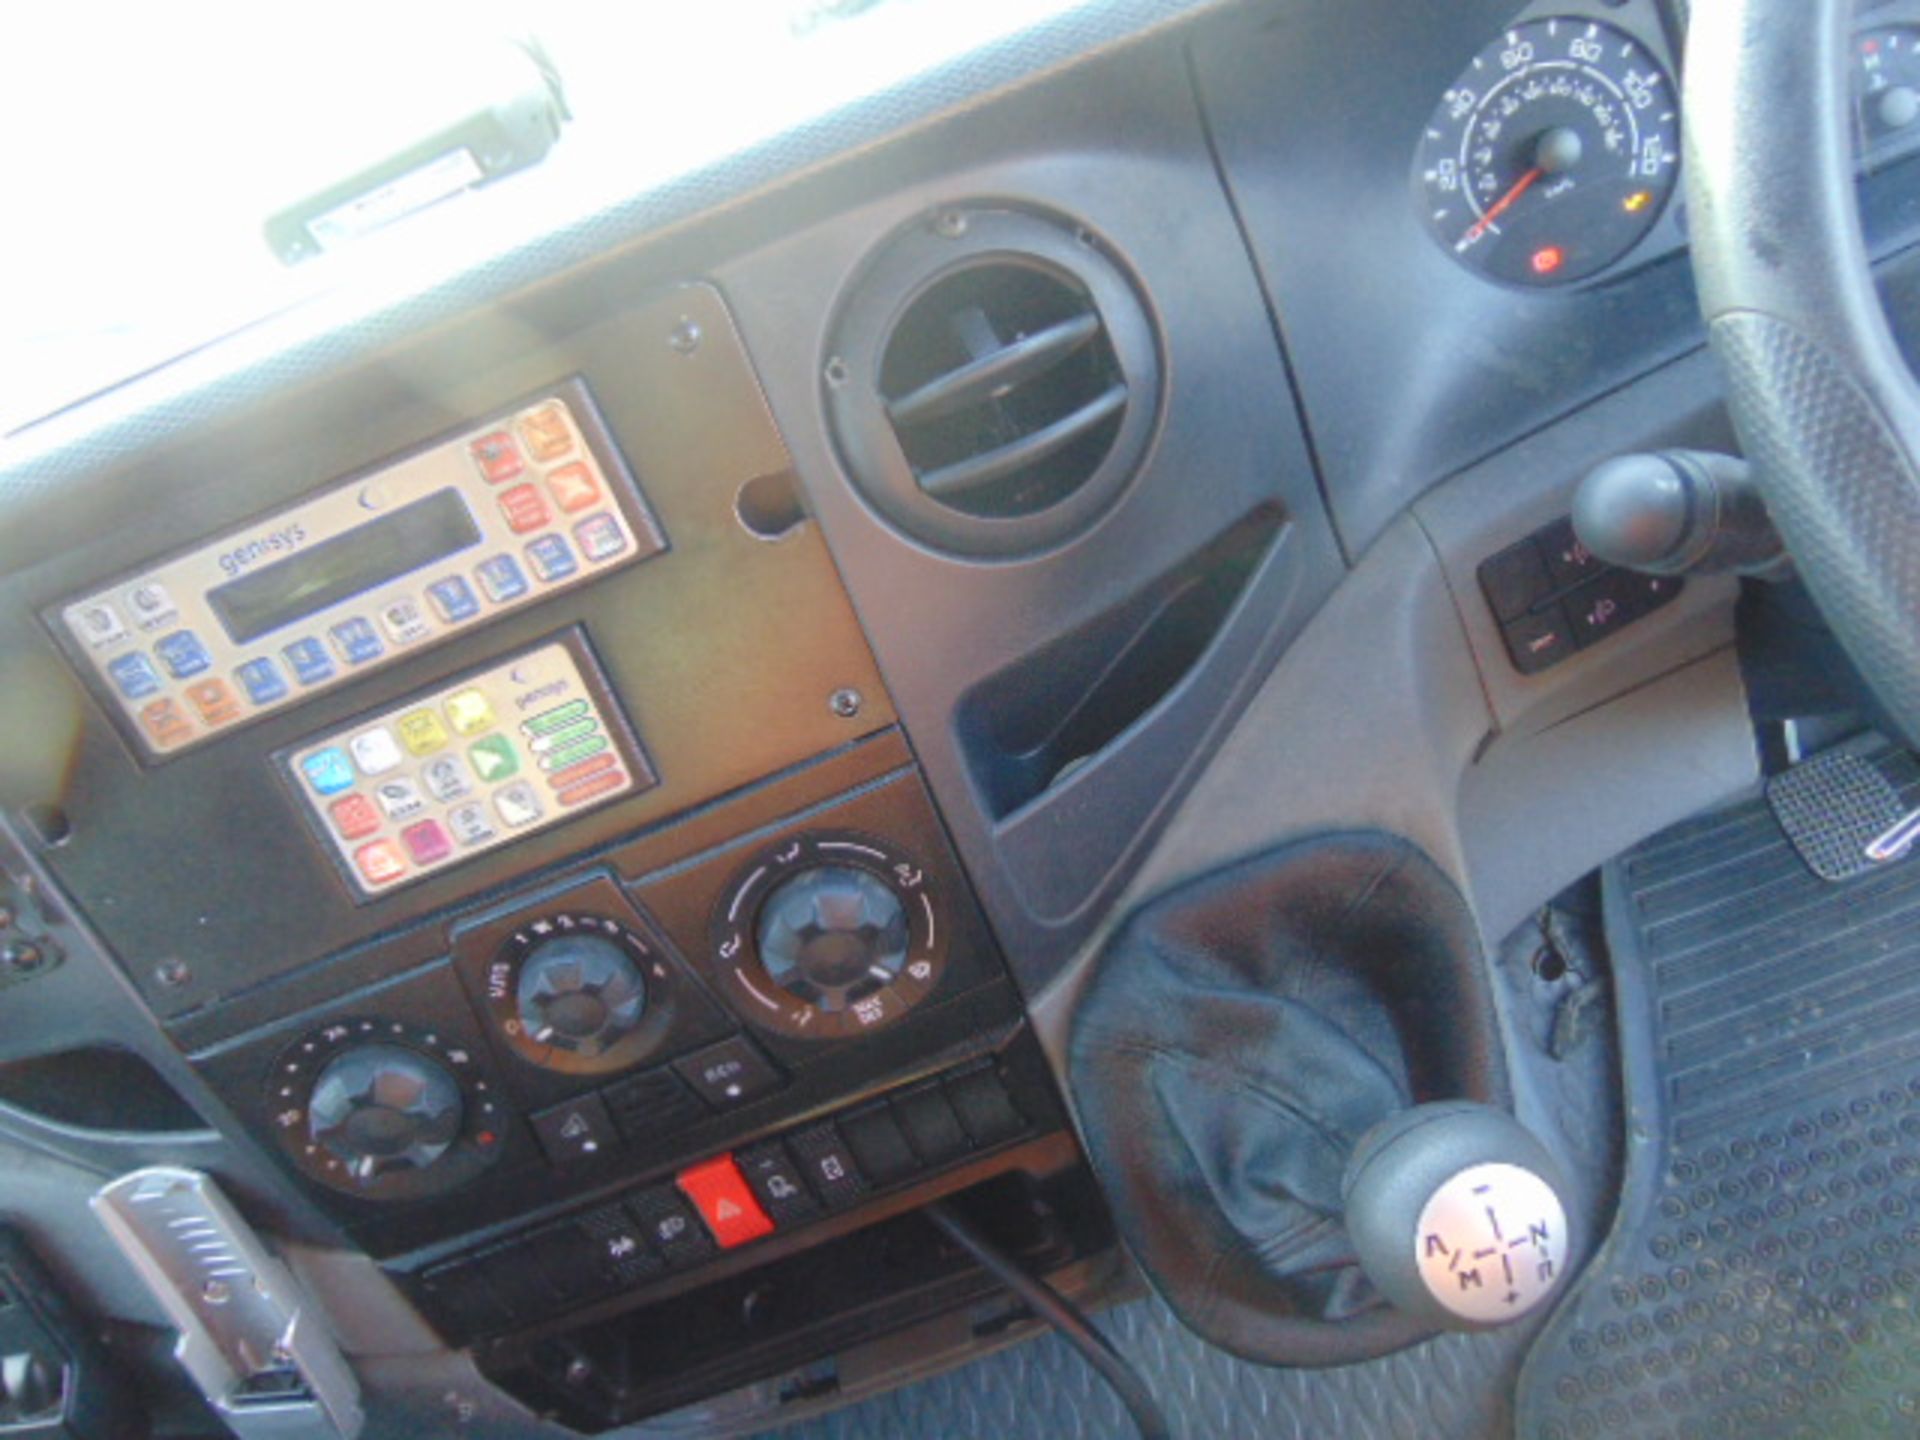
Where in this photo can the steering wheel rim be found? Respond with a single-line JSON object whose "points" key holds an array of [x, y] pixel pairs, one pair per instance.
{"points": [[1823, 401]]}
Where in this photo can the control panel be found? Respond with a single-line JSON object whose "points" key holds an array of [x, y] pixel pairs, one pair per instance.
{"points": [[526, 503], [733, 1200], [1554, 597], [467, 767]]}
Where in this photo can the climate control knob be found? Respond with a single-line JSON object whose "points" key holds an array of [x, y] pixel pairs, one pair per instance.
{"points": [[829, 935], [834, 935], [581, 993], [383, 1108]]}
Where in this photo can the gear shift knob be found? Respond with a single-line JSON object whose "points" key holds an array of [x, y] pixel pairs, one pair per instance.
{"points": [[1457, 1214]]}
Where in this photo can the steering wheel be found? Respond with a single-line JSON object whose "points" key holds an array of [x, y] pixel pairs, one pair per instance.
{"points": [[1824, 403]]}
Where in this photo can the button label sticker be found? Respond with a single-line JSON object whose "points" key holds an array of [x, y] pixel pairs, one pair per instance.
{"points": [[494, 759], [446, 779], [329, 771], [469, 712], [421, 732], [375, 751], [97, 624], [399, 799], [518, 805]]}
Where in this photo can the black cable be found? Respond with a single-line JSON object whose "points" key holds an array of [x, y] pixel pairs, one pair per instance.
{"points": [[1061, 1313]]}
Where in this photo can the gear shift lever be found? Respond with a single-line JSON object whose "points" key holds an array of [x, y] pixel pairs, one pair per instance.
{"points": [[1455, 1210]]}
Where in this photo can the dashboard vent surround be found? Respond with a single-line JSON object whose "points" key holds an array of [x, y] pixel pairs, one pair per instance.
{"points": [[994, 382]]}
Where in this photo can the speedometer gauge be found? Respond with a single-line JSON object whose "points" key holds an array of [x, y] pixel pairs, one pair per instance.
{"points": [[1553, 155]]}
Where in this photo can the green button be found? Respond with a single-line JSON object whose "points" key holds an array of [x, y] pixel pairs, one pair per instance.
{"points": [[567, 734], [494, 758], [555, 719], [573, 754]]}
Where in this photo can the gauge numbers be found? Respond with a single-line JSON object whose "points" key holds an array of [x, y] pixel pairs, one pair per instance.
{"points": [[1553, 155]]}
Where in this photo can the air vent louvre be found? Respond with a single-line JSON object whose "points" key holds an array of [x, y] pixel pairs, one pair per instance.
{"points": [[996, 382], [1003, 391]]}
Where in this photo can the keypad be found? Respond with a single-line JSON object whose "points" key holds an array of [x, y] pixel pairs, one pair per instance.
{"points": [[458, 771], [547, 514]]}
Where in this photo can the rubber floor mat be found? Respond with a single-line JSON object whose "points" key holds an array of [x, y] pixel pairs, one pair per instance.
{"points": [[1762, 1277]]}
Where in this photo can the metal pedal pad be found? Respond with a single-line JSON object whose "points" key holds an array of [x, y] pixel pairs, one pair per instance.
{"points": [[1842, 814]]}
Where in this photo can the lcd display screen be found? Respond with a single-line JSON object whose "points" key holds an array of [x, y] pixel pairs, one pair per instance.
{"points": [[350, 564]]}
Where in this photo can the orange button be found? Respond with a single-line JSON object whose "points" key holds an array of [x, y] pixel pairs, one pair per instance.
{"points": [[719, 1192], [354, 816], [381, 862], [164, 723], [582, 791], [574, 487], [215, 701], [524, 509], [544, 429]]}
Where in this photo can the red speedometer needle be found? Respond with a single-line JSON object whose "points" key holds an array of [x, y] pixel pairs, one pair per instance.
{"points": [[1502, 205]]}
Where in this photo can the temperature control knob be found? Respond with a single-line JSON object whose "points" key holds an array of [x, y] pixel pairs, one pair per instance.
{"points": [[580, 993], [833, 935], [382, 1108], [829, 935]]}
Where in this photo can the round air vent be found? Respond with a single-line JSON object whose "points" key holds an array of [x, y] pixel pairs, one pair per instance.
{"points": [[993, 381]]}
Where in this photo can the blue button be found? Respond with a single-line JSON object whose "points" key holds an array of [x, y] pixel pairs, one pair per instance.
{"points": [[310, 661], [552, 558], [182, 654], [135, 676], [329, 771], [454, 599], [501, 578], [357, 641], [263, 681]]}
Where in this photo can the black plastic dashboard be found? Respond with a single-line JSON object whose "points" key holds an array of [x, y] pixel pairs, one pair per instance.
{"points": [[1005, 736]]}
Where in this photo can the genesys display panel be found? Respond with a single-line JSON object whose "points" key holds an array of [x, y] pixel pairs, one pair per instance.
{"points": [[493, 517]]}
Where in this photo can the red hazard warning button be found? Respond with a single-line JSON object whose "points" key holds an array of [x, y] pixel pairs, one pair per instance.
{"points": [[719, 1192]]}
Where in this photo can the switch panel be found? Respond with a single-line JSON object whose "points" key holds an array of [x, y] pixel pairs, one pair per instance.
{"points": [[1553, 597]]}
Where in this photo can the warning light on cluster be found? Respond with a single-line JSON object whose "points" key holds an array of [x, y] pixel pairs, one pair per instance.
{"points": [[1548, 259], [1636, 202]]}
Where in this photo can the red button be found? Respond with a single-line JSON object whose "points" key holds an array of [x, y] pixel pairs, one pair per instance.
{"points": [[381, 862], [574, 487], [719, 1192], [354, 816], [524, 509], [497, 456]]}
